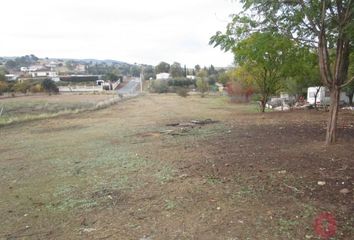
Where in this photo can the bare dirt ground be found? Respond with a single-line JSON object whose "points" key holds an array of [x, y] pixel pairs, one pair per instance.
{"points": [[143, 169]]}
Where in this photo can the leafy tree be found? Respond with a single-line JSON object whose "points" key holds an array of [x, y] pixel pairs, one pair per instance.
{"points": [[176, 70], [49, 86], [211, 70], [302, 71], [349, 89], [111, 76], [10, 64], [202, 86], [22, 87], [149, 72], [325, 25], [3, 87], [162, 67], [202, 82], [197, 68], [2, 77], [264, 56], [135, 71], [223, 78]]}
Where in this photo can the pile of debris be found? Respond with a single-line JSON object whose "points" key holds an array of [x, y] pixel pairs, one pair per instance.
{"points": [[182, 127]]}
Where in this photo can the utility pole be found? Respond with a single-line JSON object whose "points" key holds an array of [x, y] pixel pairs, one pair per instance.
{"points": [[141, 79]]}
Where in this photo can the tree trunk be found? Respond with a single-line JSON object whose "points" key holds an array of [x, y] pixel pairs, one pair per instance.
{"points": [[316, 95], [331, 133], [350, 96], [263, 105]]}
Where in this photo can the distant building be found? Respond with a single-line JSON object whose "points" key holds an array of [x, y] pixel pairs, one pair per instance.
{"points": [[162, 76], [11, 77], [80, 68], [35, 68], [44, 73], [192, 77]]}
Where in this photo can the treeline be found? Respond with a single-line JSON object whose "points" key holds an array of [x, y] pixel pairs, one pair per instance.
{"points": [[33, 86]]}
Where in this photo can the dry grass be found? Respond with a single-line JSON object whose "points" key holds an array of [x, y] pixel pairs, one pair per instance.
{"points": [[115, 173]]}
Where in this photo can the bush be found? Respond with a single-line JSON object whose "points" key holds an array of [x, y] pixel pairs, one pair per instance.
{"points": [[202, 86], [159, 86], [36, 88], [181, 82], [22, 87], [49, 86], [3, 87], [182, 92]]}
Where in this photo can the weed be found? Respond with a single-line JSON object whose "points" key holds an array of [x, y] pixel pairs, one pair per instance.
{"points": [[245, 192], [165, 174], [170, 205], [286, 227], [213, 180]]}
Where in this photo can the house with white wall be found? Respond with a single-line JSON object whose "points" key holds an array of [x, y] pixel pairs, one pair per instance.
{"points": [[162, 76]]}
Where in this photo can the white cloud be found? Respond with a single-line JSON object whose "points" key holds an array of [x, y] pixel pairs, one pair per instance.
{"points": [[130, 30]]}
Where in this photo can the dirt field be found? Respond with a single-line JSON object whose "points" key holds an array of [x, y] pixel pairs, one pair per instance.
{"points": [[144, 169]]}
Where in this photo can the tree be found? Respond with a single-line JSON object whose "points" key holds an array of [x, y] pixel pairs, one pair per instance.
{"points": [[149, 72], [10, 64], [135, 71], [3, 87], [325, 25], [176, 70], [162, 67], [22, 87], [302, 73], [202, 82], [2, 77], [111, 76], [49, 86], [349, 89], [211, 70], [264, 56], [197, 68]]}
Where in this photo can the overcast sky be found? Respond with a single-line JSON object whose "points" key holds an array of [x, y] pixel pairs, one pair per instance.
{"points": [[134, 31]]}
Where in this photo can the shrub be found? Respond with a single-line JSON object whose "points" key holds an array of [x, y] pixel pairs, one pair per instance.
{"points": [[159, 86], [202, 86], [36, 88], [49, 86], [3, 87], [21, 87], [182, 92], [181, 82]]}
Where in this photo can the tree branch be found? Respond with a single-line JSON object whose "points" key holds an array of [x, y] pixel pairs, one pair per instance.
{"points": [[348, 12], [347, 83], [311, 20]]}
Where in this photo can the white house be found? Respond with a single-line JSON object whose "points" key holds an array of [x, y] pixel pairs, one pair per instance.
{"points": [[11, 77], [35, 68], [162, 76], [43, 73], [192, 77]]}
